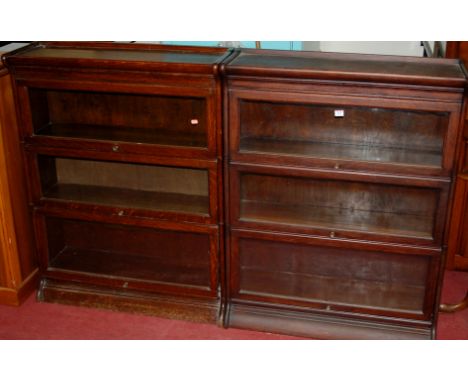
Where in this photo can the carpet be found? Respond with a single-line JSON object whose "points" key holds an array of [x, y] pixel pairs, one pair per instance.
{"points": [[45, 321]]}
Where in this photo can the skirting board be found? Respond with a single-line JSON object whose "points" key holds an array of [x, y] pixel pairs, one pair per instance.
{"points": [[316, 326], [15, 297], [189, 309]]}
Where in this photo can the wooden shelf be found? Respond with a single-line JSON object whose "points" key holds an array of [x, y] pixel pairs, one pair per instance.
{"points": [[121, 197], [125, 265], [366, 153], [329, 289], [397, 224], [115, 250], [125, 134]]}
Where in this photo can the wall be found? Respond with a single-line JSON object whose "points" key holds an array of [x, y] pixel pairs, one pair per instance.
{"points": [[400, 48]]}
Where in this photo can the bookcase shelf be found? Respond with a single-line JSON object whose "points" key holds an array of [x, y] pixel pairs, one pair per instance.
{"points": [[342, 151], [123, 134]]}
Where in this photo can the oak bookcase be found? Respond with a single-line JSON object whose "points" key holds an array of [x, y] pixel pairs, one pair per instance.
{"points": [[294, 192], [339, 172], [123, 149]]}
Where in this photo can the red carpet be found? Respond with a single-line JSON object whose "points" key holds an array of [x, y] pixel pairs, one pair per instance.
{"points": [[53, 321], [453, 326]]}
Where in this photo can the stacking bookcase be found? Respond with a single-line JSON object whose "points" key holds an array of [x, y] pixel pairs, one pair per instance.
{"points": [[339, 173], [123, 146], [305, 193]]}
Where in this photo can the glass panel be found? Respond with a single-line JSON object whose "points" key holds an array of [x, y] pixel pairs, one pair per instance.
{"points": [[346, 276], [331, 204], [125, 184], [163, 120], [129, 252], [343, 132]]}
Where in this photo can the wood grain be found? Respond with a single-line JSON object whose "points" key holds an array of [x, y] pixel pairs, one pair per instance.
{"points": [[18, 264]]}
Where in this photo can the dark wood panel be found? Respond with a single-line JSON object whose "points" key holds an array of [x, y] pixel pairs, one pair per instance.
{"points": [[342, 276], [126, 252], [464, 156], [343, 125], [458, 49], [121, 265], [125, 185], [392, 224], [287, 202], [127, 198], [457, 254], [125, 117]]}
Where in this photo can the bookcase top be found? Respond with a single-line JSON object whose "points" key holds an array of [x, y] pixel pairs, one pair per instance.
{"points": [[350, 67], [120, 56]]}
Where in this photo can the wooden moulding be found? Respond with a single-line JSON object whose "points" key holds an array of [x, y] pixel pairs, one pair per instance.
{"points": [[15, 296], [318, 326], [167, 306]]}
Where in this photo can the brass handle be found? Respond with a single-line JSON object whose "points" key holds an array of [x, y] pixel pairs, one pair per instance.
{"points": [[115, 148]]}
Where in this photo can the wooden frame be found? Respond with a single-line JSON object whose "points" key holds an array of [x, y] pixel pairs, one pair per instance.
{"points": [[18, 265]]}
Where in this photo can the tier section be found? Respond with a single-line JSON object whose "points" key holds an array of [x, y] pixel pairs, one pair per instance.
{"points": [[343, 132], [127, 252], [343, 276], [131, 118], [324, 275], [350, 132], [126, 185], [335, 207]]}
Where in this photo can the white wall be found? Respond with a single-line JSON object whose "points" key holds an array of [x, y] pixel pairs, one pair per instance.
{"points": [[400, 48]]}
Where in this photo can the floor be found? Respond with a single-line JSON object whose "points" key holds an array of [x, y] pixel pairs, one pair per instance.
{"points": [[46, 321]]}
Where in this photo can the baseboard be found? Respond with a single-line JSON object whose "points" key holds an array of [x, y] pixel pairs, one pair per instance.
{"points": [[305, 324], [183, 308], [15, 297]]}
